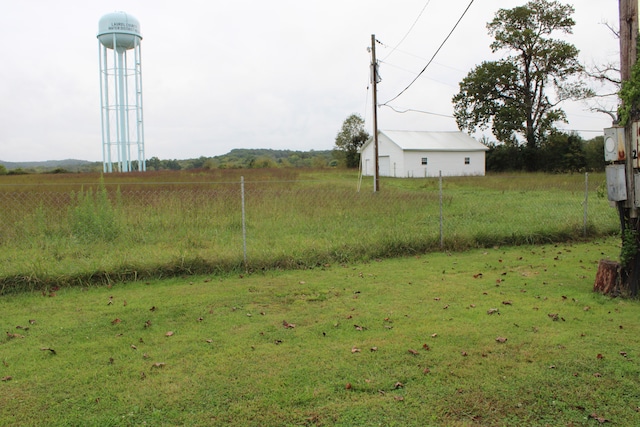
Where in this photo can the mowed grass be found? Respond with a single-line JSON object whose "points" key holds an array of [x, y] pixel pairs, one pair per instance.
{"points": [[406, 341]]}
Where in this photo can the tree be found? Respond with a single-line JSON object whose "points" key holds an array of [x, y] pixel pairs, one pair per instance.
{"points": [[153, 164], [350, 138], [512, 94]]}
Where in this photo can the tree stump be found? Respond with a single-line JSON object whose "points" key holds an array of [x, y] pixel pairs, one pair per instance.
{"points": [[607, 278]]}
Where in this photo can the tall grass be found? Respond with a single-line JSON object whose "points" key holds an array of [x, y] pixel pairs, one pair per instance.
{"points": [[87, 229]]}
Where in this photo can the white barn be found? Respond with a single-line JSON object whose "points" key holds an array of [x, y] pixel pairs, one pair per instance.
{"points": [[415, 154]]}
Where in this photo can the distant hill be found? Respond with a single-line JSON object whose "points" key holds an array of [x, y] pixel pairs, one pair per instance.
{"points": [[236, 158], [46, 164]]}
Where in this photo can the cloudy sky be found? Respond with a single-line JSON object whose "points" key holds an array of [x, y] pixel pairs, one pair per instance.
{"points": [[279, 74]]}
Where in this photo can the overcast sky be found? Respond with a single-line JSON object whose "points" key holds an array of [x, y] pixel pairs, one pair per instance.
{"points": [[279, 74]]}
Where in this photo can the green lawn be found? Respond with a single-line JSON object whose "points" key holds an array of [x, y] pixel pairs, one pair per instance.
{"points": [[404, 341]]}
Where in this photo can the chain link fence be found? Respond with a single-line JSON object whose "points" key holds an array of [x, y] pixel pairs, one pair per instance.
{"points": [[259, 224]]}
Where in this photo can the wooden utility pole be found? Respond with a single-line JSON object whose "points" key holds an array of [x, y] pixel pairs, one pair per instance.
{"points": [[374, 78], [628, 10]]}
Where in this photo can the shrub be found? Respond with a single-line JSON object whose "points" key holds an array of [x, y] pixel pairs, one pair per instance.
{"points": [[93, 217]]}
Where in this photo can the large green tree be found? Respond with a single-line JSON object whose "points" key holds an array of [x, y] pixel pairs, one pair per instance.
{"points": [[518, 95], [350, 138]]}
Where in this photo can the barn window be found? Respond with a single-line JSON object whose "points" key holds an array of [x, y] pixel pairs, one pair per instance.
{"points": [[467, 160], [424, 160]]}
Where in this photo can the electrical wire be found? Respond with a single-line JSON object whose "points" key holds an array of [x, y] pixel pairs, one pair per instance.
{"points": [[409, 31], [408, 110], [434, 55]]}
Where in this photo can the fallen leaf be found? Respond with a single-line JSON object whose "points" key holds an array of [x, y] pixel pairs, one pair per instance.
{"points": [[434, 335], [134, 347], [599, 419], [507, 302], [32, 321], [553, 316], [358, 328], [586, 308], [464, 354], [124, 303], [145, 356], [52, 351], [597, 375], [493, 310], [158, 365], [11, 336], [288, 325], [147, 324], [623, 353], [355, 350], [347, 386], [599, 356], [169, 334], [7, 378], [142, 375], [426, 371], [412, 351], [209, 341], [501, 339], [426, 347], [374, 348], [445, 307], [115, 321], [398, 398], [153, 308], [477, 276], [398, 385]]}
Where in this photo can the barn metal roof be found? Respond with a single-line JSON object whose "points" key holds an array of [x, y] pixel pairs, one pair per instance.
{"points": [[433, 141]]}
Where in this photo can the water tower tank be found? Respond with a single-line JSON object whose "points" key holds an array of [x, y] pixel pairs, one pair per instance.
{"points": [[119, 28], [120, 59]]}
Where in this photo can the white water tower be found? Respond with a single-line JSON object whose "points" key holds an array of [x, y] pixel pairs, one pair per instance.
{"points": [[121, 92]]}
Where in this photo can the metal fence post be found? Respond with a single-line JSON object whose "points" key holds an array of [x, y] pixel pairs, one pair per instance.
{"points": [[441, 219], [244, 225], [586, 204]]}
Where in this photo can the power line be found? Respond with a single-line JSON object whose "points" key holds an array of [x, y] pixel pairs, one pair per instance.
{"points": [[410, 29], [407, 110], [434, 55]]}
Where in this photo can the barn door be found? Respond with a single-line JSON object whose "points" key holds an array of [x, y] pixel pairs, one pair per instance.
{"points": [[384, 163]]}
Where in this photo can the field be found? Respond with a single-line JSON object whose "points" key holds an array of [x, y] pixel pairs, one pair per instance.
{"points": [[489, 337], [156, 299], [83, 229]]}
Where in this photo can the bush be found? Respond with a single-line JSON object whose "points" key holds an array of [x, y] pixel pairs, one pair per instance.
{"points": [[93, 217]]}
